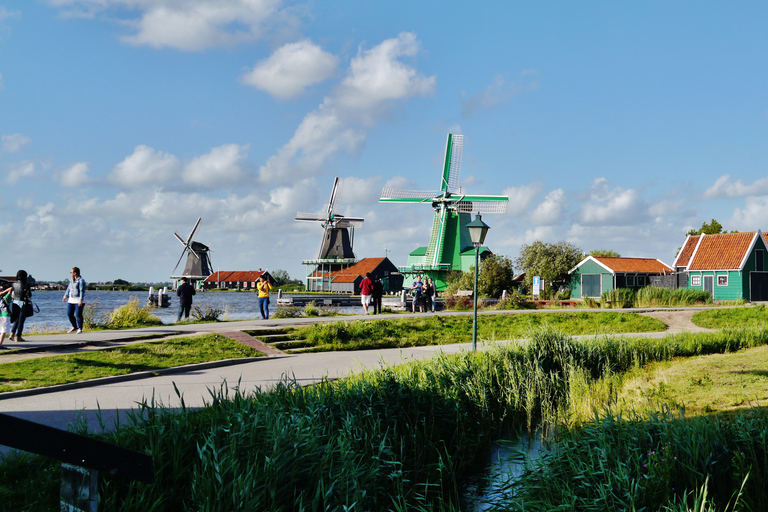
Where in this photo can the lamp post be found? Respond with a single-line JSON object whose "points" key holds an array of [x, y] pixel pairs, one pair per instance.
{"points": [[477, 231]]}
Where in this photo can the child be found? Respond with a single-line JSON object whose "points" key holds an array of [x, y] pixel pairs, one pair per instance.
{"points": [[5, 314]]}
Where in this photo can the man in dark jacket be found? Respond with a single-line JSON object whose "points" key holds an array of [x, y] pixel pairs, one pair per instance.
{"points": [[184, 292]]}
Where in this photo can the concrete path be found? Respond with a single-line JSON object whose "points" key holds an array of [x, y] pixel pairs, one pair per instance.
{"points": [[113, 397]]}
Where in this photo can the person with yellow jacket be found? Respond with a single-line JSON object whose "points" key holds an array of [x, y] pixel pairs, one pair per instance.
{"points": [[264, 286]]}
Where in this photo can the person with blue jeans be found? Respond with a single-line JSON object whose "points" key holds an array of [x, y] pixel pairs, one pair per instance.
{"points": [[22, 292], [75, 299], [263, 286]]}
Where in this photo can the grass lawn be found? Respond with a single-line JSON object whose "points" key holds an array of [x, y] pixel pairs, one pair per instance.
{"points": [[748, 316], [137, 357], [446, 329], [705, 384]]}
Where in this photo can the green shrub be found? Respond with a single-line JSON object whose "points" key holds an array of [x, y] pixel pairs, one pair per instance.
{"points": [[655, 296], [618, 298], [132, 315], [206, 313], [515, 300], [287, 312]]}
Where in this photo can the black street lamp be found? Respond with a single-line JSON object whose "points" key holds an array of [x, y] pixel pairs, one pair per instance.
{"points": [[477, 231]]}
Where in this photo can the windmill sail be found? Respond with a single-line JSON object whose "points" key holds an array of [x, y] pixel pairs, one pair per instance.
{"points": [[449, 237], [198, 256]]}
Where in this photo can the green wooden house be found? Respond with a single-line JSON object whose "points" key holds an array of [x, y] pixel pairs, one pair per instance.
{"points": [[593, 276], [731, 266]]}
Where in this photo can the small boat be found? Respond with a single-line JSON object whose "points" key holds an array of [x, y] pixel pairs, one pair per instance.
{"points": [[161, 299]]}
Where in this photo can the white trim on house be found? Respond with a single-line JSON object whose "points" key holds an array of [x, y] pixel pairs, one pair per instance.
{"points": [[588, 258]]}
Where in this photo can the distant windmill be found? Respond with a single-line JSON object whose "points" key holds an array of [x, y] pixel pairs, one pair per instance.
{"points": [[338, 230], [449, 240], [198, 257]]}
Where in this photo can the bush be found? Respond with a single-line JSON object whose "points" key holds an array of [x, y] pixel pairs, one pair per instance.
{"points": [[132, 315], [458, 303], [288, 312], [515, 300], [206, 313]]}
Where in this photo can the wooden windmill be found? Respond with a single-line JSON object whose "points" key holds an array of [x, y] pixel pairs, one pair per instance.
{"points": [[450, 247], [198, 257], [335, 250]]}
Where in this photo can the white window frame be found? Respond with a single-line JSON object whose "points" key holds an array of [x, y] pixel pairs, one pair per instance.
{"points": [[724, 278], [696, 280]]}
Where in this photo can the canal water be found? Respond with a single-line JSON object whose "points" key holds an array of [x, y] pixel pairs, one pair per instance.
{"points": [[236, 306]]}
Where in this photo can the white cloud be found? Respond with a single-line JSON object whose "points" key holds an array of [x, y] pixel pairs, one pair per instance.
{"points": [[222, 165], [14, 142], [520, 198], [752, 216], [376, 80], [725, 187], [550, 210], [499, 91], [189, 25], [145, 166], [15, 171], [376, 77], [75, 175], [291, 69], [612, 206]]}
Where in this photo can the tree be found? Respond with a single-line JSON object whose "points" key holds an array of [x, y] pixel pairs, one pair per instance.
{"points": [[122, 282], [281, 277], [712, 228], [496, 273], [551, 262], [604, 253]]}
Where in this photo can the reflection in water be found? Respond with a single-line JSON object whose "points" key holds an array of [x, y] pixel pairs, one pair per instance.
{"points": [[508, 460]]}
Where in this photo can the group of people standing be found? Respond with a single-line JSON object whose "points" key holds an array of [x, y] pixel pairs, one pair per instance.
{"points": [[423, 294], [16, 305]]}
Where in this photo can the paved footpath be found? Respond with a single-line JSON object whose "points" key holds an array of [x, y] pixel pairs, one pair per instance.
{"points": [[113, 397]]}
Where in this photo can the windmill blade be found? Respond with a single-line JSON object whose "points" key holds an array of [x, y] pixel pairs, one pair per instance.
{"points": [[193, 230], [188, 247], [484, 206], [336, 192], [181, 240], [349, 222], [408, 196], [178, 262], [309, 216], [454, 151]]}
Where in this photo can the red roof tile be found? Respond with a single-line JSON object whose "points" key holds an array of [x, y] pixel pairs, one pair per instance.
{"points": [[234, 276], [635, 265], [684, 257], [349, 274], [723, 251]]}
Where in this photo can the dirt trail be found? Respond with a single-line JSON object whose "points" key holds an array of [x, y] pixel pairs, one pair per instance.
{"points": [[677, 320]]}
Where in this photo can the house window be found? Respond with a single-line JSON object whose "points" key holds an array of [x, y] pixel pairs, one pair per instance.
{"points": [[759, 260], [640, 281], [695, 280], [630, 281], [722, 280]]}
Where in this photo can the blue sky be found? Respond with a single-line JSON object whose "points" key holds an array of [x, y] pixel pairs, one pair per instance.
{"points": [[610, 126]]}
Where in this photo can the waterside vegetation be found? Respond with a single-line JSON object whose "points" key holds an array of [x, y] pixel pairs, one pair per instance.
{"points": [[411, 437]]}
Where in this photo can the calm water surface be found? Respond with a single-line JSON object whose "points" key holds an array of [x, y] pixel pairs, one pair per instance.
{"points": [[236, 306]]}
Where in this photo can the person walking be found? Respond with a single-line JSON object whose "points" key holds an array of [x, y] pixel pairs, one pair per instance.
{"points": [[184, 292], [20, 296], [378, 292], [264, 286], [5, 314], [366, 292], [75, 299]]}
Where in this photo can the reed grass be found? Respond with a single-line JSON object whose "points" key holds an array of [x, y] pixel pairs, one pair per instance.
{"points": [[654, 296], [754, 316], [407, 438]]}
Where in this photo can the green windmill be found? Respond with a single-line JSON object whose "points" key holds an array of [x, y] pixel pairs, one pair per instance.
{"points": [[450, 247]]}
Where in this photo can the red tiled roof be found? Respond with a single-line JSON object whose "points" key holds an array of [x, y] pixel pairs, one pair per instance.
{"points": [[723, 251], [635, 265], [684, 258], [349, 274], [234, 276]]}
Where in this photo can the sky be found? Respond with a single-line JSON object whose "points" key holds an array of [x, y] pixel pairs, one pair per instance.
{"points": [[613, 126]]}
